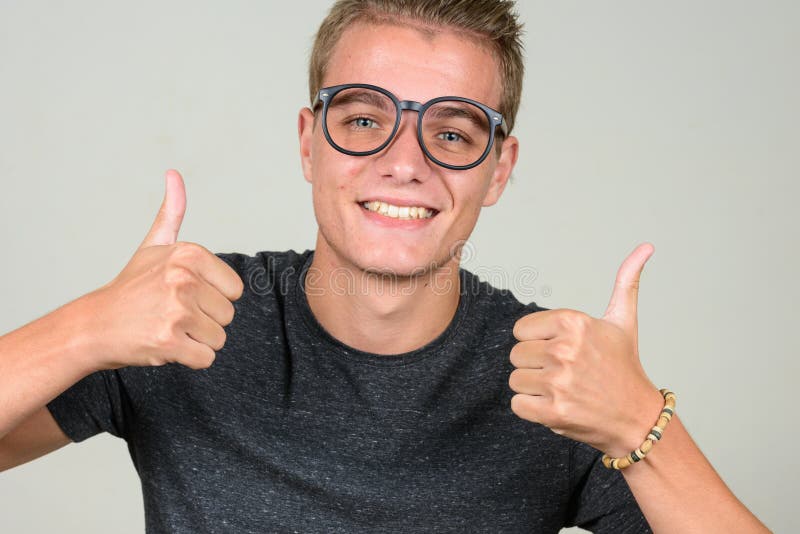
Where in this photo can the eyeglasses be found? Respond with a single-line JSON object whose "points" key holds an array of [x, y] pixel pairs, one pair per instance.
{"points": [[455, 132]]}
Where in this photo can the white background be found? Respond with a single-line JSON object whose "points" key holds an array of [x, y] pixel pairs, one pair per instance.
{"points": [[674, 123]]}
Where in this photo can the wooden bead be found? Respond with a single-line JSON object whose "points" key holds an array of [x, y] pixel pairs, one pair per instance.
{"points": [[654, 435]]}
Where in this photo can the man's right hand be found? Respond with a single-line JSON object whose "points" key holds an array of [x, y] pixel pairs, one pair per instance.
{"points": [[170, 302]]}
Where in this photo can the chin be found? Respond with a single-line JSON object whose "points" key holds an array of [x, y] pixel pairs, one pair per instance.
{"points": [[385, 257], [392, 264], [400, 264]]}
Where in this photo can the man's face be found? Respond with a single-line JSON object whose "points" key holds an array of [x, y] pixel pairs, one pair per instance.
{"points": [[417, 67]]}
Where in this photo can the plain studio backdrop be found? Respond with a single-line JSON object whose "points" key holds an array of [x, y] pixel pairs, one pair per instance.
{"points": [[672, 123]]}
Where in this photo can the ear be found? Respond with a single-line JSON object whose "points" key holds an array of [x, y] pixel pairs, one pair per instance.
{"points": [[502, 172], [305, 131]]}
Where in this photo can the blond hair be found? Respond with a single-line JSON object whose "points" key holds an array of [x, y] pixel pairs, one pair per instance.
{"points": [[490, 22]]}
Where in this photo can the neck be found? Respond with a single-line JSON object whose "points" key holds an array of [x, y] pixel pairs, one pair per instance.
{"points": [[380, 314]]}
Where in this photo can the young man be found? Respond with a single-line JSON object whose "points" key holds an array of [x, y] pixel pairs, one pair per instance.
{"points": [[367, 385]]}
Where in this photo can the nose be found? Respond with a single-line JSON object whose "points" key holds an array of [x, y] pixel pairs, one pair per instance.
{"points": [[403, 159]]}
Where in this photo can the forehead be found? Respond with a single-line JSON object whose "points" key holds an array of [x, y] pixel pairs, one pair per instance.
{"points": [[415, 64]]}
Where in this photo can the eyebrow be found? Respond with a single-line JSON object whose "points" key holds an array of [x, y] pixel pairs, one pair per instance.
{"points": [[465, 111], [364, 96]]}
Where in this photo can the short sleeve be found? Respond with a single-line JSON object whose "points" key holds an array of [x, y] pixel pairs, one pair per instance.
{"points": [[100, 402], [96, 403], [600, 499]]}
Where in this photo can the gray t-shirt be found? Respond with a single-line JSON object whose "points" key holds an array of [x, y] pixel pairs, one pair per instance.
{"points": [[291, 430]]}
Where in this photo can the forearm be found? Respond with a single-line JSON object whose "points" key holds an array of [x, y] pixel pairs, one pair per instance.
{"points": [[40, 360], [678, 490]]}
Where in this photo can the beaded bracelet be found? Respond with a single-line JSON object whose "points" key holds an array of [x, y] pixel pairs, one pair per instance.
{"points": [[655, 434]]}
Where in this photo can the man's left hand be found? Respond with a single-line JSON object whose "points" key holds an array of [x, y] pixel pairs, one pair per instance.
{"points": [[581, 376]]}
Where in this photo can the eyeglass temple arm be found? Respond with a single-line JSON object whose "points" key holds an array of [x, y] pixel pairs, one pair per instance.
{"points": [[503, 126]]}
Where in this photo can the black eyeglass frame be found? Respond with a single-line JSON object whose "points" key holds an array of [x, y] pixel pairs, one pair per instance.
{"points": [[326, 94]]}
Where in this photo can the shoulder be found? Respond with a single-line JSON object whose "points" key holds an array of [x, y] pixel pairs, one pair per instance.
{"points": [[266, 262], [273, 260], [496, 303], [493, 312], [267, 272]]}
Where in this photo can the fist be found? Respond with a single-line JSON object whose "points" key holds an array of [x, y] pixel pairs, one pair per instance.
{"points": [[581, 376], [170, 302]]}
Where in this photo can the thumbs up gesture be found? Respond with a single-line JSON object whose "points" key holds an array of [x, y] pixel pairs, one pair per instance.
{"points": [[170, 302], [581, 376]]}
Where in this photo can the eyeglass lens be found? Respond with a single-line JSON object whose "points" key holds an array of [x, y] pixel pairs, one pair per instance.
{"points": [[454, 132]]}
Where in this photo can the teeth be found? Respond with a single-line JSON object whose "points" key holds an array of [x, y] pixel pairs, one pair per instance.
{"points": [[398, 212]]}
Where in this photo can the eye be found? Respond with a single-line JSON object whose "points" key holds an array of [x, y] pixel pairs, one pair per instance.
{"points": [[364, 122], [450, 136]]}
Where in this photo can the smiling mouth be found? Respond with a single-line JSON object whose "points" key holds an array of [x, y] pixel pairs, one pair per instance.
{"points": [[398, 212]]}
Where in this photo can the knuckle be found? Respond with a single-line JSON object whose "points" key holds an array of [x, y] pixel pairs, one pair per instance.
{"points": [[155, 361], [561, 382], [516, 380], [220, 342], [558, 348], [562, 351], [515, 356], [175, 317], [186, 251], [565, 318], [230, 312], [559, 414], [204, 359], [517, 330], [179, 277], [523, 408], [570, 319], [164, 336], [238, 287], [582, 322], [189, 247], [517, 405]]}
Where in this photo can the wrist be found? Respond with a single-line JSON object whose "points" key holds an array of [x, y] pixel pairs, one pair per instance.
{"points": [[85, 334], [643, 415], [655, 434]]}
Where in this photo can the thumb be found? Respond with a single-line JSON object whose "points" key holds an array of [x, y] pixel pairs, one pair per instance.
{"points": [[621, 308], [168, 221]]}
